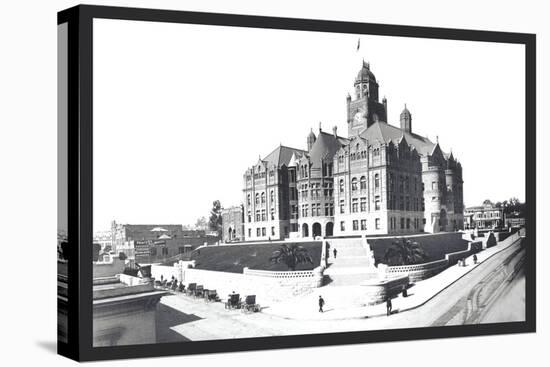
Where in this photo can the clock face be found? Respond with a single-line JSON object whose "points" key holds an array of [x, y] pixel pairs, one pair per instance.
{"points": [[359, 118]]}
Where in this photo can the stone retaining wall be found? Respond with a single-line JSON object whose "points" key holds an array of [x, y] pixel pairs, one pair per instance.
{"points": [[420, 272], [266, 285], [378, 291]]}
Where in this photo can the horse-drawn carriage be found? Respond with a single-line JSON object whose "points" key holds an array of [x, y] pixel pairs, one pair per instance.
{"points": [[191, 289], [211, 295], [199, 291], [234, 301], [250, 304]]}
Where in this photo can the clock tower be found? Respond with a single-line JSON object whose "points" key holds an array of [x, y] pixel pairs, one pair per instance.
{"points": [[365, 109]]}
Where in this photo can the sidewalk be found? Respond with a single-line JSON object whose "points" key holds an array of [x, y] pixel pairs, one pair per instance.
{"points": [[344, 302]]}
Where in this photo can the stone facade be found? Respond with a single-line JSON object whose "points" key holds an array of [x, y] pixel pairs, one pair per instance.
{"points": [[233, 224], [381, 179], [270, 197]]}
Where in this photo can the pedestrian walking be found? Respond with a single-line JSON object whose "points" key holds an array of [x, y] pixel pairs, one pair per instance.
{"points": [[388, 306], [321, 303], [474, 258], [334, 252]]}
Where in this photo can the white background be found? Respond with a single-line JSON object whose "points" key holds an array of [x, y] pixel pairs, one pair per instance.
{"points": [[180, 111], [28, 184]]}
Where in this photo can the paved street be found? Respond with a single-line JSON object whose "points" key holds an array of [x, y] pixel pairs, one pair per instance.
{"points": [[489, 293], [493, 291]]}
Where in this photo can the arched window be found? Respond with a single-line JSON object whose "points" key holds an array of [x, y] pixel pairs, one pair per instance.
{"points": [[257, 198], [341, 185], [363, 183], [272, 196], [248, 199], [377, 181], [263, 197], [354, 184]]}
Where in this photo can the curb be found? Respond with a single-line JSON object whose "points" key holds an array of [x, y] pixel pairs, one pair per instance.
{"points": [[462, 276], [412, 307]]}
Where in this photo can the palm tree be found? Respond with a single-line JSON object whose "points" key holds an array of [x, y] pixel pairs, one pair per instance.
{"points": [[291, 256], [404, 252]]}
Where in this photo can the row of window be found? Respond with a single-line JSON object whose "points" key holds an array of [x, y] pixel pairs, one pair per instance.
{"points": [[260, 175], [359, 154], [355, 224], [357, 205], [405, 223], [316, 210], [487, 215], [315, 191], [404, 184], [261, 232], [362, 224], [405, 203], [260, 198], [362, 183], [261, 215]]}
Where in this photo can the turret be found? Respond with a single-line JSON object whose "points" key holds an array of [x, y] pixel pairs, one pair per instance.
{"points": [[310, 140], [406, 120]]}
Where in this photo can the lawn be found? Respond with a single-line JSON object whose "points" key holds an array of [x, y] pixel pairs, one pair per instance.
{"points": [[435, 246], [233, 258]]}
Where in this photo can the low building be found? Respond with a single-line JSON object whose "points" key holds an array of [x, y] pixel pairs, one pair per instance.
{"points": [[156, 243], [122, 233], [233, 224], [485, 216]]}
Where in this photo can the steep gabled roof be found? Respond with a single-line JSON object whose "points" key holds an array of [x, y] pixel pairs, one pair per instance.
{"points": [[325, 147], [282, 155], [384, 132]]}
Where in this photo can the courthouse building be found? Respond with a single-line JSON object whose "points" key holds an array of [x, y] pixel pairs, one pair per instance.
{"points": [[380, 179]]}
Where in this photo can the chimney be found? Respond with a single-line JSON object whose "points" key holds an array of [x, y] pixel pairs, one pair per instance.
{"points": [[334, 131]]}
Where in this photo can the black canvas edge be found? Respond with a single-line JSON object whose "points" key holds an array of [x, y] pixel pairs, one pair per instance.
{"points": [[80, 19], [70, 348]]}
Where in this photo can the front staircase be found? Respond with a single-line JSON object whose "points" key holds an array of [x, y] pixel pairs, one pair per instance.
{"points": [[352, 265]]}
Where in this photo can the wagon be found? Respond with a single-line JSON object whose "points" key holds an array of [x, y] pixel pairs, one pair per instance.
{"points": [[250, 304], [199, 291], [234, 301], [211, 295], [191, 288]]}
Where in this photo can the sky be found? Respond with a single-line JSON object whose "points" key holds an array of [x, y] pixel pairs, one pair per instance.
{"points": [[181, 111]]}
